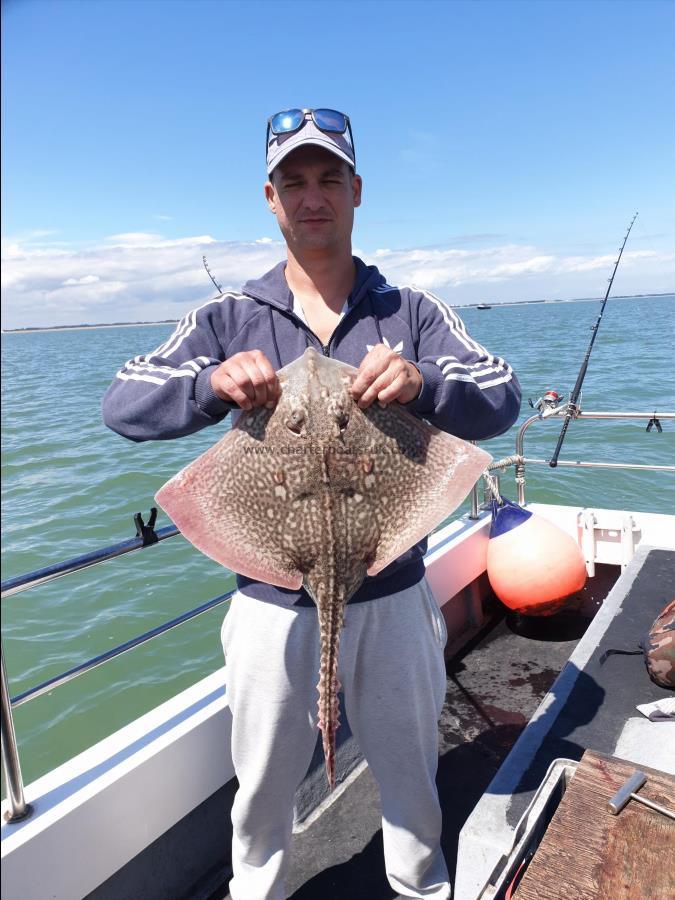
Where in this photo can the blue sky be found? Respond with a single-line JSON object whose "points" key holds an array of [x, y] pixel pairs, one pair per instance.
{"points": [[504, 146]]}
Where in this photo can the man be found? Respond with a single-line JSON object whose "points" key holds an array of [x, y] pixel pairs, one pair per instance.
{"points": [[408, 347]]}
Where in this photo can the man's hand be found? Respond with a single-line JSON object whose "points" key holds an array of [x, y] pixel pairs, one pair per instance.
{"points": [[248, 380], [384, 376]]}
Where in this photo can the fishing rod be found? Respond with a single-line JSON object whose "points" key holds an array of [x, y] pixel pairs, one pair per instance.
{"points": [[208, 272], [572, 408]]}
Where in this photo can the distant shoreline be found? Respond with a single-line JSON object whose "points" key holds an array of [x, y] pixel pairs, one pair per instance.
{"points": [[484, 304], [42, 328]]}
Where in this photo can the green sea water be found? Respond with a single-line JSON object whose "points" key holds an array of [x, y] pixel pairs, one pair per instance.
{"points": [[70, 486]]}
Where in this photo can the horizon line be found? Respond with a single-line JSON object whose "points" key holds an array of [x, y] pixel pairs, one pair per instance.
{"points": [[482, 304]]}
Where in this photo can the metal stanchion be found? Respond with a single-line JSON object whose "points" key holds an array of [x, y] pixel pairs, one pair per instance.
{"points": [[18, 808]]}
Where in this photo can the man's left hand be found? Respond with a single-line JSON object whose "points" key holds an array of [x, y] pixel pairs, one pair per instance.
{"points": [[384, 376]]}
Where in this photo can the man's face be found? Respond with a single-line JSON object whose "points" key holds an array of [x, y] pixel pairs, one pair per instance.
{"points": [[313, 197]]}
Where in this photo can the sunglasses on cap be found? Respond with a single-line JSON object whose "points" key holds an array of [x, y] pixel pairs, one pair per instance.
{"points": [[328, 120]]}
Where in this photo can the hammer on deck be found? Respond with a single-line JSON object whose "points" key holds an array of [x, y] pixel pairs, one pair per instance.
{"points": [[628, 792]]}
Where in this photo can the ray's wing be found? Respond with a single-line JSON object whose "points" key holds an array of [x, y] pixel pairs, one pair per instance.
{"points": [[232, 503], [412, 475]]}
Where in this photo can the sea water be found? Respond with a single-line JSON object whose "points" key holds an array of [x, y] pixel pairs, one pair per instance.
{"points": [[71, 486]]}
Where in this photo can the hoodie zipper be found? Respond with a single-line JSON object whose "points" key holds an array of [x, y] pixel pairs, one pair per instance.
{"points": [[350, 308], [325, 348]]}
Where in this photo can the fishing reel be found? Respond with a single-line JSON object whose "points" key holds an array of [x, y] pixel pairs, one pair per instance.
{"points": [[548, 404]]}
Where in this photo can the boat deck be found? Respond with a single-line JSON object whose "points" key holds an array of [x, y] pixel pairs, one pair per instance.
{"points": [[493, 687], [592, 705]]}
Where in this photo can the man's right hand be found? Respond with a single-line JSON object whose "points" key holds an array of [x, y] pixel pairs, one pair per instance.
{"points": [[248, 380]]}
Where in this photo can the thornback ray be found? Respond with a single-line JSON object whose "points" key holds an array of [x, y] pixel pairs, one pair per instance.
{"points": [[318, 492]]}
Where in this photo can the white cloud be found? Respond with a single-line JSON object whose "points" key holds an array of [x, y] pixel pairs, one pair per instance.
{"points": [[142, 276], [138, 277], [149, 239], [514, 266], [86, 279]]}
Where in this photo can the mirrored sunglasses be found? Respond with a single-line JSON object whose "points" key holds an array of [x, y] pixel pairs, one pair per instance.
{"points": [[328, 120]]}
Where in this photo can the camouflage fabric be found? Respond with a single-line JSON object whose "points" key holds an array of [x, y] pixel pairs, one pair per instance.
{"points": [[659, 648]]}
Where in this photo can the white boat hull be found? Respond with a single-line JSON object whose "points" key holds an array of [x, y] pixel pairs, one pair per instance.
{"points": [[102, 809]]}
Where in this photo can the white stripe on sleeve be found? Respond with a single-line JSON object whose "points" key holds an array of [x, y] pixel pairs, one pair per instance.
{"points": [[459, 332]]}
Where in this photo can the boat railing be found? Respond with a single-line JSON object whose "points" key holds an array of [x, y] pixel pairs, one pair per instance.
{"points": [[520, 461], [148, 537]]}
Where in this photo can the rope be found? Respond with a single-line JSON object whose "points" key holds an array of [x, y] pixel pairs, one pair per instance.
{"points": [[503, 463], [491, 480], [492, 484]]}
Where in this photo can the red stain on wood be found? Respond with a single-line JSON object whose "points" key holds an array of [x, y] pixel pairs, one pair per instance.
{"points": [[589, 854]]}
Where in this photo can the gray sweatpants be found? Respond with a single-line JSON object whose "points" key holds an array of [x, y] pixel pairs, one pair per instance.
{"points": [[393, 677]]}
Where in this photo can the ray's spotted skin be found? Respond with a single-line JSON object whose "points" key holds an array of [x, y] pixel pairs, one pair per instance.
{"points": [[320, 493]]}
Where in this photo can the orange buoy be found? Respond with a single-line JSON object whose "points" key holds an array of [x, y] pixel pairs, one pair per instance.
{"points": [[533, 566]]}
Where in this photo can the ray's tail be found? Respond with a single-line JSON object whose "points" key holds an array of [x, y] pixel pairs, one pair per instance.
{"points": [[330, 619]]}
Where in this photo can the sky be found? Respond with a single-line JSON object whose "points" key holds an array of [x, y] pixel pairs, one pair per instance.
{"points": [[504, 146]]}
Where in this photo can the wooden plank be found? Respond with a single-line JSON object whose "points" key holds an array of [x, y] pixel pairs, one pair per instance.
{"points": [[589, 854]]}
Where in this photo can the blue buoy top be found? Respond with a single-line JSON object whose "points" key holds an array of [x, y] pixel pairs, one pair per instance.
{"points": [[507, 517]]}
